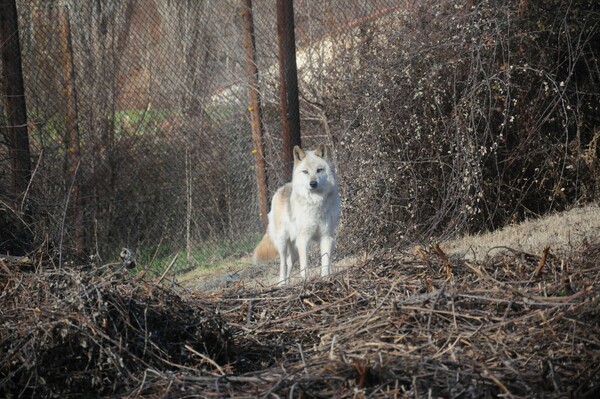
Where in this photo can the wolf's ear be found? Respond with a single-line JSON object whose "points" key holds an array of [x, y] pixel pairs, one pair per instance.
{"points": [[299, 154], [322, 151]]}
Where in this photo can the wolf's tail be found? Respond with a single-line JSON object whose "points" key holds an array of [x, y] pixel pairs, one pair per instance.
{"points": [[265, 250]]}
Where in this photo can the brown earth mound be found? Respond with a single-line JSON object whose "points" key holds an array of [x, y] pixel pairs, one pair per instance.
{"points": [[400, 325]]}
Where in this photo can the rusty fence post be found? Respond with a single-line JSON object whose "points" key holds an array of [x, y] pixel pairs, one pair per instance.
{"points": [[255, 109], [14, 100], [288, 82]]}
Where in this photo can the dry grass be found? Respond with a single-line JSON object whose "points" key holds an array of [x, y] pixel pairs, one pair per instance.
{"points": [[562, 232], [236, 272]]}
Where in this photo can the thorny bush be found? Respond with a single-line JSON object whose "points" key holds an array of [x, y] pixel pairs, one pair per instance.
{"points": [[462, 119]]}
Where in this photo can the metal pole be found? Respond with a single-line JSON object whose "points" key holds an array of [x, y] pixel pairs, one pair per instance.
{"points": [[255, 109], [14, 98], [288, 82]]}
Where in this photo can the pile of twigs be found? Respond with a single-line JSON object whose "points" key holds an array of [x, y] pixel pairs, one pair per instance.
{"points": [[77, 331], [400, 325]]}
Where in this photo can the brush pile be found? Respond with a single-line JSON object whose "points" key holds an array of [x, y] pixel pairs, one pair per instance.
{"points": [[399, 325], [75, 331]]}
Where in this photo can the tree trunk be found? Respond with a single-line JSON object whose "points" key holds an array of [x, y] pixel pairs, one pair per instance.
{"points": [[288, 82], [73, 150], [255, 111], [14, 95]]}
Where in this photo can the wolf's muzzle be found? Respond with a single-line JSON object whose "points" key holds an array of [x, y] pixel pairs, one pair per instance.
{"points": [[313, 184]]}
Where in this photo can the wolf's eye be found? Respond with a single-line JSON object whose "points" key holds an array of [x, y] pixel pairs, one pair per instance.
{"points": [[320, 170], [305, 172]]}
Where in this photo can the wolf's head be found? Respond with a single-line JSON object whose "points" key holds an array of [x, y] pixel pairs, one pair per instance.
{"points": [[313, 171]]}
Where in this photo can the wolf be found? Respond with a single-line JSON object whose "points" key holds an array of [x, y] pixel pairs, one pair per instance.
{"points": [[305, 210]]}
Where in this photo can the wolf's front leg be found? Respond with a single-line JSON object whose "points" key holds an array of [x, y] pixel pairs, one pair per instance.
{"points": [[302, 246], [283, 273], [327, 244], [291, 258]]}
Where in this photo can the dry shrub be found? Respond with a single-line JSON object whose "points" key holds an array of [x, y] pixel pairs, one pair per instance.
{"points": [[455, 119], [134, 187], [15, 236]]}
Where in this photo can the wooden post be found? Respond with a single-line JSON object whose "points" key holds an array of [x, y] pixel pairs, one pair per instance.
{"points": [[73, 150], [14, 99], [288, 82], [255, 109]]}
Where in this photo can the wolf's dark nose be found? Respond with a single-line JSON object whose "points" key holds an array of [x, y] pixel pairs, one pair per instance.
{"points": [[313, 184]]}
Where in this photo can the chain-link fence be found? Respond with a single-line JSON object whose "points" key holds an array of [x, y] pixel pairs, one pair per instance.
{"points": [[139, 123], [444, 117]]}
